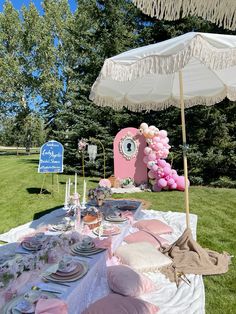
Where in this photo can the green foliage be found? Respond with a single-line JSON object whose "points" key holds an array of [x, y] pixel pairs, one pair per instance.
{"points": [[225, 182], [49, 62]]}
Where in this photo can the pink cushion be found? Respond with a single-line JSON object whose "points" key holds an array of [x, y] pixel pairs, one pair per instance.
{"points": [[153, 225], [124, 280], [143, 236], [117, 304]]}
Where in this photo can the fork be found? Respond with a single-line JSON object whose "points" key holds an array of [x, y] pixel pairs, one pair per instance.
{"points": [[55, 282]]}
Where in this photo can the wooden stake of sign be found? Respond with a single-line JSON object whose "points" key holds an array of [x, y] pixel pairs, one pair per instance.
{"points": [[53, 187]]}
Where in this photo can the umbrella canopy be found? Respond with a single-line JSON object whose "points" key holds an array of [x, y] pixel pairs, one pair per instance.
{"points": [[147, 78], [192, 69], [221, 12]]}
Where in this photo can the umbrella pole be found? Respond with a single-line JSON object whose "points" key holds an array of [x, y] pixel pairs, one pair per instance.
{"points": [[184, 147]]}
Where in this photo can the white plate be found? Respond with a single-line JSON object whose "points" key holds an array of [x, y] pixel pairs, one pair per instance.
{"points": [[115, 232], [116, 219]]}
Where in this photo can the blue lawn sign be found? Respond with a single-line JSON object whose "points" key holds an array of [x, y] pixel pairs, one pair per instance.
{"points": [[51, 158]]}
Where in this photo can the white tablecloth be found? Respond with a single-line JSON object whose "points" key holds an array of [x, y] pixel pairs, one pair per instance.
{"points": [[170, 299]]}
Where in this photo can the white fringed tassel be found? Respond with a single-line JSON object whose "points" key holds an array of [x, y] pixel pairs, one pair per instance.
{"points": [[148, 106], [198, 47], [221, 12]]}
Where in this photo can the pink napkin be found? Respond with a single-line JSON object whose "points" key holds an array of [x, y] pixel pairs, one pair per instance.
{"points": [[104, 244], [51, 306], [114, 260], [86, 230]]}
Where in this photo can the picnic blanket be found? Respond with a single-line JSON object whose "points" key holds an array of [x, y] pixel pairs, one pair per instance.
{"points": [[168, 297], [171, 300]]}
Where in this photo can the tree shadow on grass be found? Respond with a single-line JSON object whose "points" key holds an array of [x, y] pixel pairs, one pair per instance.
{"points": [[37, 191], [44, 212], [94, 180], [30, 161]]}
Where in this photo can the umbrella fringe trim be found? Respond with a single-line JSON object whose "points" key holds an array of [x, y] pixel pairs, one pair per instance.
{"points": [[148, 106], [198, 47], [216, 11]]}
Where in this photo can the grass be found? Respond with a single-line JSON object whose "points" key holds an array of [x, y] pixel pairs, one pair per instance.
{"points": [[20, 202]]}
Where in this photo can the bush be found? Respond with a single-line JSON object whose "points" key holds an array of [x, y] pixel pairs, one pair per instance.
{"points": [[224, 182]]}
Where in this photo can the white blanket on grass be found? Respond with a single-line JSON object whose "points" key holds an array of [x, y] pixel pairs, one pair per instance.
{"points": [[170, 299], [15, 234]]}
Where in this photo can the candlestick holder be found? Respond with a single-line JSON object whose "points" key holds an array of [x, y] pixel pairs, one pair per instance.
{"points": [[83, 204], [66, 207]]}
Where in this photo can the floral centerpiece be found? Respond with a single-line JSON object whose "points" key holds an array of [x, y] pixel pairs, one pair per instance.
{"points": [[99, 194], [127, 182], [13, 265]]}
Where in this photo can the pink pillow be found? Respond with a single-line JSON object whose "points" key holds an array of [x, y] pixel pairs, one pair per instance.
{"points": [[124, 280], [117, 304], [143, 236], [153, 225]]}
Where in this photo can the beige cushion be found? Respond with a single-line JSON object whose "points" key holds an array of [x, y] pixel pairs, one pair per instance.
{"points": [[142, 256]]}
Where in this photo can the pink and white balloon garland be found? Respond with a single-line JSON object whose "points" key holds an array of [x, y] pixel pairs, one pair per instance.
{"points": [[160, 173]]}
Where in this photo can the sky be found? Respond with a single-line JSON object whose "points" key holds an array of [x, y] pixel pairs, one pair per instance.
{"points": [[18, 4]]}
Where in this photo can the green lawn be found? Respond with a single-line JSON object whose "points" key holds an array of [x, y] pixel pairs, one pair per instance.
{"points": [[216, 210]]}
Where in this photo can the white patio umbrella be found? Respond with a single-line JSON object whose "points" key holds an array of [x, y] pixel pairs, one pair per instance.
{"points": [[192, 69], [221, 12]]}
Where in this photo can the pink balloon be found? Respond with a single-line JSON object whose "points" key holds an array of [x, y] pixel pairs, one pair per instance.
{"points": [[105, 183], [150, 164], [159, 145], [175, 177], [174, 171], [167, 170], [165, 140], [181, 183], [155, 167], [173, 186], [171, 181], [143, 125], [152, 157], [162, 163], [151, 174], [162, 183], [166, 152], [156, 139], [145, 159], [162, 133], [147, 150], [152, 127]]}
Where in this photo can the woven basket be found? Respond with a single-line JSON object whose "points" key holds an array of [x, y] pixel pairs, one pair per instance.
{"points": [[115, 183]]}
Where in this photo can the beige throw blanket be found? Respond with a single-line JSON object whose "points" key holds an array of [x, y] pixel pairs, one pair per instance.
{"points": [[190, 258]]}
